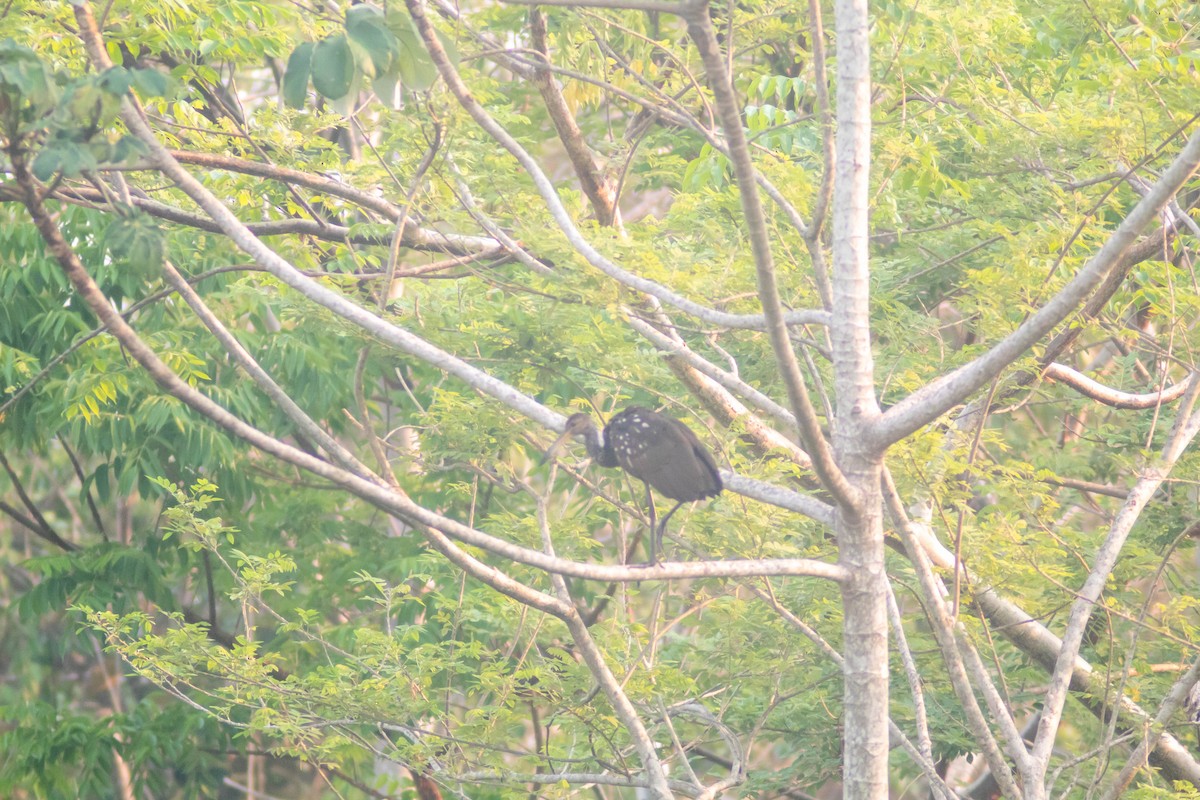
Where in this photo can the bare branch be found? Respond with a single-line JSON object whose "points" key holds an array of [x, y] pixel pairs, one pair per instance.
{"points": [[513, 246], [385, 208], [1173, 215], [1114, 397], [543, 778], [418, 238], [674, 113], [730, 381], [714, 387], [596, 187], [1087, 486], [1171, 703], [778, 496], [816, 32], [42, 532], [36, 522], [737, 767], [912, 674], [1155, 244]]}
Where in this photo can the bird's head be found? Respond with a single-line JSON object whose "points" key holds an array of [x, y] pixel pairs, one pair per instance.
{"points": [[579, 426]]}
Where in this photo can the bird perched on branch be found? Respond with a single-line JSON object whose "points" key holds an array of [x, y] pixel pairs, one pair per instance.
{"points": [[656, 449]]}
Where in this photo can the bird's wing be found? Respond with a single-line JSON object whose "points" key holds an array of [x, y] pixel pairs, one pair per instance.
{"points": [[702, 453], [677, 464]]}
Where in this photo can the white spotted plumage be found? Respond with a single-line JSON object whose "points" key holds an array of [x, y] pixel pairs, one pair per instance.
{"points": [[656, 449]]}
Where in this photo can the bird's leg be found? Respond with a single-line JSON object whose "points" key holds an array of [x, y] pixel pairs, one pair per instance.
{"points": [[662, 526], [653, 545]]}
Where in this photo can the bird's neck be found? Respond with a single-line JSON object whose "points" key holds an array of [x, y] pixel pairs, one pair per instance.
{"points": [[600, 449]]}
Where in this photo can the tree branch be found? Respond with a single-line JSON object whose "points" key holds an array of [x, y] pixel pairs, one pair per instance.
{"points": [[595, 186], [35, 522], [812, 237], [562, 218], [678, 348], [934, 399], [417, 238], [1114, 397], [1170, 704], [701, 30], [944, 629], [612, 688], [653, 6], [1187, 425], [42, 532], [385, 208], [266, 383], [1037, 641], [676, 114]]}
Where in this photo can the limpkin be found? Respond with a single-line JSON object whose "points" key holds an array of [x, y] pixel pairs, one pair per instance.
{"points": [[658, 450]]}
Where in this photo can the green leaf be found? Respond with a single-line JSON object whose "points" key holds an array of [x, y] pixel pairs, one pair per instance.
{"points": [[23, 73], [151, 82], [46, 163], [72, 159], [128, 148], [366, 26], [385, 87], [363, 65], [115, 80], [416, 67], [363, 12], [137, 240], [333, 67], [345, 105], [295, 78], [417, 70]]}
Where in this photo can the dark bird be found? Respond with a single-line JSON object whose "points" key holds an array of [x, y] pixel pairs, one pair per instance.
{"points": [[660, 451]]}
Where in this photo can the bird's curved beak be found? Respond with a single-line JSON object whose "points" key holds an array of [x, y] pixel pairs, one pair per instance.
{"points": [[553, 449]]}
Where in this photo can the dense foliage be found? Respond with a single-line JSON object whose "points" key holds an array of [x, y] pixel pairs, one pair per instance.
{"points": [[187, 615]]}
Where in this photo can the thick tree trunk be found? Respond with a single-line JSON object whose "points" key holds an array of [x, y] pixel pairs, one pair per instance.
{"points": [[859, 527], [865, 630]]}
